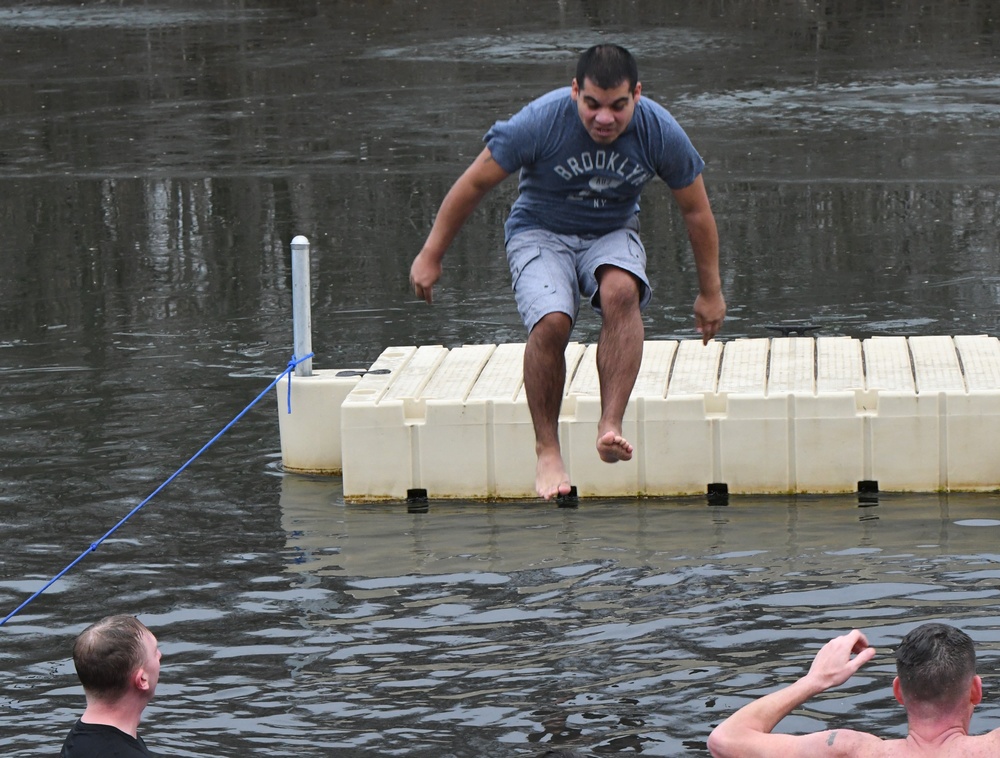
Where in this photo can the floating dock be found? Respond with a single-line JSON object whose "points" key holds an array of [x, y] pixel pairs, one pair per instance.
{"points": [[750, 416]]}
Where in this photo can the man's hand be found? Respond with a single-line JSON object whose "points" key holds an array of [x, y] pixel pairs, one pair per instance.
{"points": [[833, 664], [424, 274], [709, 311]]}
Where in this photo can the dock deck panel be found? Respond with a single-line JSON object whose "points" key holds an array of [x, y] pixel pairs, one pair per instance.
{"points": [[761, 415]]}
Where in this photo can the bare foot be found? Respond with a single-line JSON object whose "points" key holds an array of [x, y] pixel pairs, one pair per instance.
{"points": [[613, 448], [551, 479]]}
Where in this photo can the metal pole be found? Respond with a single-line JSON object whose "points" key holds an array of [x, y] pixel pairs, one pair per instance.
{"points": [[301, 304]]}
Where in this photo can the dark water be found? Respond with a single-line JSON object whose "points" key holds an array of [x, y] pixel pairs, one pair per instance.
{"points": [[155, 161]]}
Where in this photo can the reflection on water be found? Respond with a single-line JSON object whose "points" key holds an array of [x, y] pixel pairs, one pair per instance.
{"points": [[615, 626], [625, 621], [149, 187], [629, 624]]}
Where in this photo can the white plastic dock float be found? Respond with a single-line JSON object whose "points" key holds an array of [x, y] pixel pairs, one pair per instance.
{"points": [[782, 415]]}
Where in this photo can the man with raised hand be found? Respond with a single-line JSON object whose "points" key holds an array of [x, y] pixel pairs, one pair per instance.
{"points": [[936, 683]]}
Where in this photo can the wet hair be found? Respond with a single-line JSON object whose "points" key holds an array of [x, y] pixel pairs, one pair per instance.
{"points": [[607, 66], [107, 653], [935, 664]]}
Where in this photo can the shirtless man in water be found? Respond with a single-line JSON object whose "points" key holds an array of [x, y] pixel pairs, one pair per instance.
{"points": [[584, 153], [936, 684]]}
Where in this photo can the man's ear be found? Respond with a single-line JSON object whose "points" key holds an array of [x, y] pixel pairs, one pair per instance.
{"points": [[575, 89], [637, 91], [140, 680], [897, 691], [976, 691]]}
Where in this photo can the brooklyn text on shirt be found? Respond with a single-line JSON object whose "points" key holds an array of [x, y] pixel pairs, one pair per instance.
{"points": [[603, 160]]}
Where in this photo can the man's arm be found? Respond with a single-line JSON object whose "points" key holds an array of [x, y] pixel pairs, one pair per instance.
{"points": [[710, 305], [747, 733], [483, 175]]}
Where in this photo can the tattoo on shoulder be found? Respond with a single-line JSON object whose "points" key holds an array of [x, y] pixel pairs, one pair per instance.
{"points": [[831, 738]]}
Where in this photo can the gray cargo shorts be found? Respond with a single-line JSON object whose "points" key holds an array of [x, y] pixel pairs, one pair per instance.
{"points": [[550, 272]]}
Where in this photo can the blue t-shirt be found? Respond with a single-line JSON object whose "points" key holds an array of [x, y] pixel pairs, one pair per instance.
{"points": [[570, 184]]}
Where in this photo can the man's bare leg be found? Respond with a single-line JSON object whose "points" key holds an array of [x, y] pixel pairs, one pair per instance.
{"points": [[544, 379], [619, 353]]}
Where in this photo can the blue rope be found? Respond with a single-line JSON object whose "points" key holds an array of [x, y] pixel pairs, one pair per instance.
{"points": [[291, 366]]}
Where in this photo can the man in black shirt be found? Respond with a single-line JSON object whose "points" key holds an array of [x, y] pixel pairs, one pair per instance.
{"points": [[118, 663]]}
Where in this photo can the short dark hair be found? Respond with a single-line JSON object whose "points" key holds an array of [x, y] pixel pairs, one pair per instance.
{"points": [[107, 653], [935, 663], [607, 66]]}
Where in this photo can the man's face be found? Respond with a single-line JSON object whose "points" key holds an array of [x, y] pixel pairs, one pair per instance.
{"points": [[605, 113]]}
